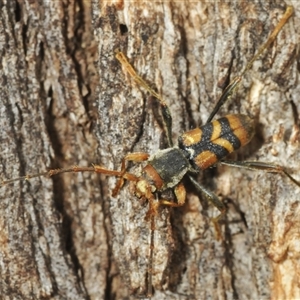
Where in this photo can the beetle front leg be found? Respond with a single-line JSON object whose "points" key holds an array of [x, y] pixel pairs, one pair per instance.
{"points": [[180, 194], [135, 157]]}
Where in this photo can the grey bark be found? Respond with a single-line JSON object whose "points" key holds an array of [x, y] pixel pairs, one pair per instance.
{"points": [[66, 101]]}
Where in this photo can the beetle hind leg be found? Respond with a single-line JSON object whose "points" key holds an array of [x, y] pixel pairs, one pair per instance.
{"points": [[211, 197], [261, 166]]}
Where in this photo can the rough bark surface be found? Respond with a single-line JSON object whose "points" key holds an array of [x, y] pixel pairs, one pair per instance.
{"points": [[66, 101]]}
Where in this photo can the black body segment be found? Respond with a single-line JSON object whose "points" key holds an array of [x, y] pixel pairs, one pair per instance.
{"points": [[171, 165]]}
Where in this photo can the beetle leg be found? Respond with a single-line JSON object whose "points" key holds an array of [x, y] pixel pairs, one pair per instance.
{"points": [[260, 166], [135, 157], [180, 194], [138, 79], [211, 197]]}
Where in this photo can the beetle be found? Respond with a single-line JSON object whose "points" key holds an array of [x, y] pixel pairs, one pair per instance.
{"points": [[197, 150]]}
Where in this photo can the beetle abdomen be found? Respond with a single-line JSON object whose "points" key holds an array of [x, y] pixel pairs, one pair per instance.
{"points": [[215, 140]]}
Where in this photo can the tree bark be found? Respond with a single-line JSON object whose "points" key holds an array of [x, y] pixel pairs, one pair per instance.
{"points": [[66, 101]]}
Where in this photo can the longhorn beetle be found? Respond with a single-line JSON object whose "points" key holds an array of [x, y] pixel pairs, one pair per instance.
{"points": [[197, 150]]}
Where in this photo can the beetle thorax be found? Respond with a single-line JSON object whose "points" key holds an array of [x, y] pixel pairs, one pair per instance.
{"points": [[166, 168]]}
